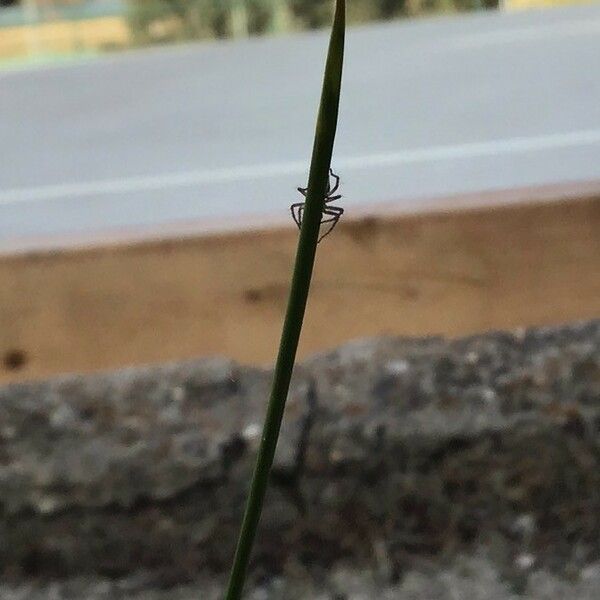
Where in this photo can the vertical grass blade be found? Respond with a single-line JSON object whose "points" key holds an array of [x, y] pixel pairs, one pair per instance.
{"points": [[305, 258]]}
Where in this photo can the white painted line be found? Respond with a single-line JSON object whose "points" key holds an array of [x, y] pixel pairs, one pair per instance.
{"points": [[472, 150], [517, 145], [552, 31], [149, 183]]}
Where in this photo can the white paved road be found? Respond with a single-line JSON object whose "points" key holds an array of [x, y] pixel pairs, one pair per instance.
{"points": [[437, 106]]}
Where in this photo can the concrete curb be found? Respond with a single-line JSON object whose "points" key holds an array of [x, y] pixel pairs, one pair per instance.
{"points": [[394, 452]]}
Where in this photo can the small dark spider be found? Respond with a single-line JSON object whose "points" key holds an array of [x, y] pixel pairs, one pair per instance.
{"points": [[331, 214]]}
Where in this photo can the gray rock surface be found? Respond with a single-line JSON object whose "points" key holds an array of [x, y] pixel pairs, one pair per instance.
{"points": [[406, 469]]}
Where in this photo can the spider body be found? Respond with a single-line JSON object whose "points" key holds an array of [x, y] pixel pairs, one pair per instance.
{"points": [[331, 214]]}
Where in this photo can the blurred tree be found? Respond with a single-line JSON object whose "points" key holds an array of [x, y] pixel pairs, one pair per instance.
{"points": [[260, 16], [172, 20], [312, 13], [316, 13], [388, 9]]}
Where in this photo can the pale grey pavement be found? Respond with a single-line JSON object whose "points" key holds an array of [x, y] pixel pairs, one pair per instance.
{"points": [[224, 130]]}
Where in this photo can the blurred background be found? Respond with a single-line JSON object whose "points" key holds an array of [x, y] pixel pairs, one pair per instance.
{"points": [[152, 149], [54, 27], [150, 152]]}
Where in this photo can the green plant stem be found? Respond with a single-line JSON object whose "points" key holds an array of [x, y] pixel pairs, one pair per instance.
{"points": [[305, 258]]}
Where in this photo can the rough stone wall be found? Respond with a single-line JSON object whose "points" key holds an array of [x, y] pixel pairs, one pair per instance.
{"points": [[401, 461]]}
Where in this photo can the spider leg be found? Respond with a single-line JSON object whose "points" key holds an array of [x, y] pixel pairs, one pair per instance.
{"points": [[297, 210], [327, 232], [329, 199], [335, 212], [337, 182], [303, 191]]}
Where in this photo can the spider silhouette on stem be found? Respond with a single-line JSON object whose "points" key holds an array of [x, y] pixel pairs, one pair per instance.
{"points": [[331, 214]]}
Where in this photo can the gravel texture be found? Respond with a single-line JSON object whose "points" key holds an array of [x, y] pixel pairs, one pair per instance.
{"points": [[412, 469]]}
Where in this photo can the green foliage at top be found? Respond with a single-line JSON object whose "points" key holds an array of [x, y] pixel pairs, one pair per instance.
{"points": [[171, 20], [176, 20]]}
